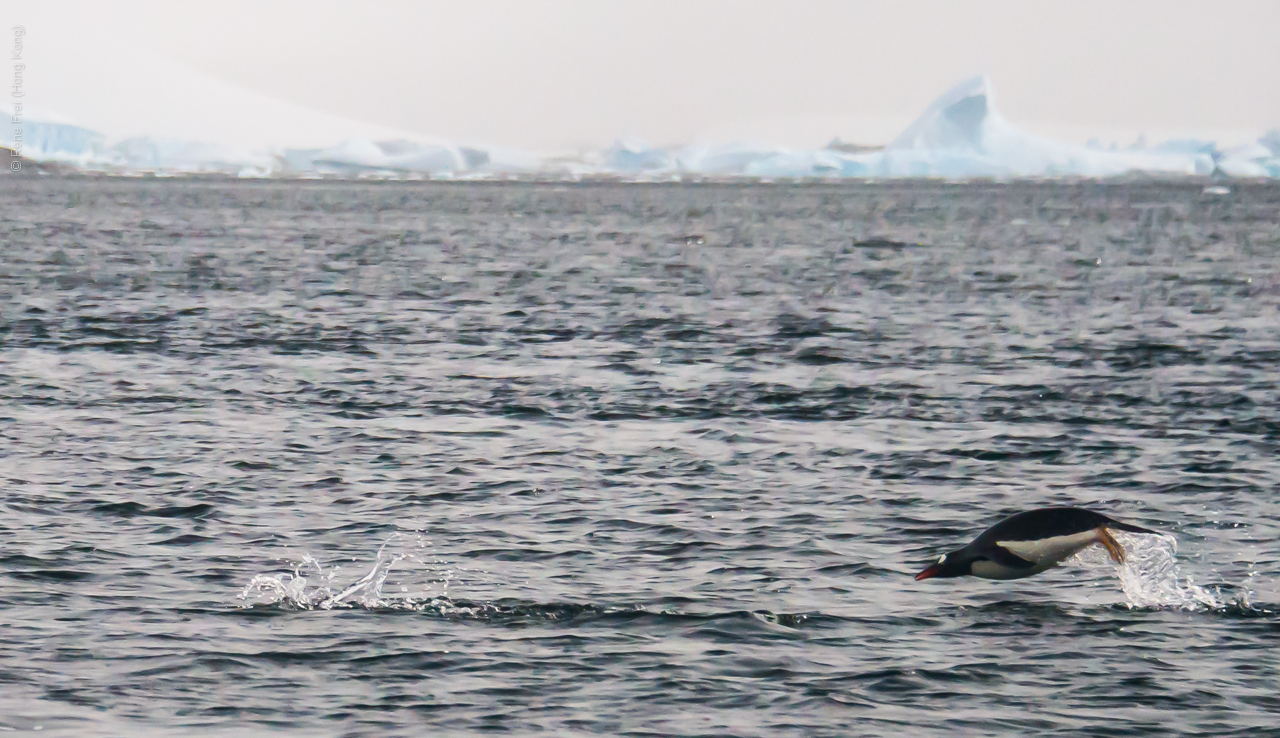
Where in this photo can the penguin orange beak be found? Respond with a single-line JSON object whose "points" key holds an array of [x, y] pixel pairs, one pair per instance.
{"points": [[929, 573]]}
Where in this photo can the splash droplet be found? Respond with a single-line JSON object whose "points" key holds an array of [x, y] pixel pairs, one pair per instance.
{"points": [[293, 590]]}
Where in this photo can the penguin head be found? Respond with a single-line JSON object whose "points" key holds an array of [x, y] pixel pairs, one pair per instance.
{"points": [[954, 564]]}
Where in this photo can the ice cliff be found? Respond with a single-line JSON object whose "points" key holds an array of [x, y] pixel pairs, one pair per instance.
{"points": [[52, 140]]}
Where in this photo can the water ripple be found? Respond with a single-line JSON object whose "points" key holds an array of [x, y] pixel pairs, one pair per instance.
{"points": [[355, 458]]}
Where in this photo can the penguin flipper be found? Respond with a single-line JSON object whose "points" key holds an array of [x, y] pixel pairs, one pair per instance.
{"points": [[1006, 558]]}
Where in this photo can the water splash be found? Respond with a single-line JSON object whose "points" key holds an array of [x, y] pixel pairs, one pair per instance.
{"points": [[1152, 577], [309, 586]]}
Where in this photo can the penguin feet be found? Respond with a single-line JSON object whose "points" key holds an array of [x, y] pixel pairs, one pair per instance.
{"points": [[1111, 544]]}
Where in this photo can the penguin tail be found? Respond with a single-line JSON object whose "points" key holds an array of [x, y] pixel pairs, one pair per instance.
{"points": [[1127, 528]]}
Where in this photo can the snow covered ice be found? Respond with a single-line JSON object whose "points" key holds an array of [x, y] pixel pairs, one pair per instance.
{"points": [[961, 135]]}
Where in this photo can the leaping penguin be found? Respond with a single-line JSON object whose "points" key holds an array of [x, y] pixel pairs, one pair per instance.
{"points": [[1028, 543]]}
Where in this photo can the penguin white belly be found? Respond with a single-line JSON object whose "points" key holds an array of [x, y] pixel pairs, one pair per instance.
{"points": [[985, 569], [1044, 553], [1049, 552]]}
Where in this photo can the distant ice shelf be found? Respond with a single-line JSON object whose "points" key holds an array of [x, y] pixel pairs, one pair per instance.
{"points": [[961, 135]]}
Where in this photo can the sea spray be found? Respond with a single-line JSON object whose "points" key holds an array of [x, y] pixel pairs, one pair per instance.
{"points": [[1151, 576], [294, 589]]}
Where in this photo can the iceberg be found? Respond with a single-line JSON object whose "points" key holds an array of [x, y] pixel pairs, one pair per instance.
{"points": [[631, 156], [54, 141], [820, 163], [724, 159], [49, 139], [1272, 141], [962, 135], [755, 160], [1250, 160], [1186, 146], [409, 156], [357, 155], [148, 154], [504, 160], [352, 154], [767, 162]]}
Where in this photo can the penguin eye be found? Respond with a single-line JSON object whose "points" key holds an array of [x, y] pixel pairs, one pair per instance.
{"points": [[942, 559]]}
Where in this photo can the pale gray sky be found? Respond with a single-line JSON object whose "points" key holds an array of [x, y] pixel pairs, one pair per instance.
{"points": [[569, 73]]}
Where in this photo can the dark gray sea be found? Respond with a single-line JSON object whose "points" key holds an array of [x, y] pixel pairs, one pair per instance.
{"points": [[404, 459]]}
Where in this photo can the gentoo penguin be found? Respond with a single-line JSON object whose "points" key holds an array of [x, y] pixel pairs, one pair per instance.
{"points": [[1030, 542]]}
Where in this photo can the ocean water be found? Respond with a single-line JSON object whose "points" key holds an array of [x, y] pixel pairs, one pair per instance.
{"points": [[372, 458]]}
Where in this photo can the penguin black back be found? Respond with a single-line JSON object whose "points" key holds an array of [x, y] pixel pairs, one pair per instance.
{"points": [[1048, 522]]}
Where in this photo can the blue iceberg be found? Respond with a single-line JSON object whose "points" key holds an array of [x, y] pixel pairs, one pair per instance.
{"points": [[962, 135], [54, 141]]}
